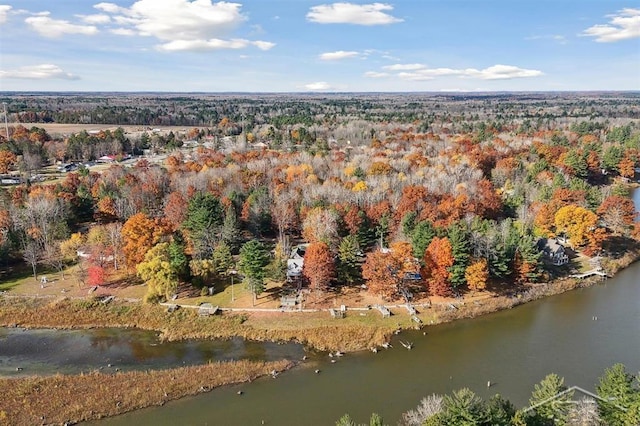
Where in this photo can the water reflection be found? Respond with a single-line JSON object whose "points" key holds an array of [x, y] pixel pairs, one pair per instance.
{"points": [[72, 351]]}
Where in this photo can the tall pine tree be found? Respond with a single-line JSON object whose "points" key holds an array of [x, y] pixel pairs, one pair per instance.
{"points": [[460, 247]]}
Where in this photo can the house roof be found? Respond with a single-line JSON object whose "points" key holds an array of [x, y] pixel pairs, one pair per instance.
{"points": [[550, 245]]}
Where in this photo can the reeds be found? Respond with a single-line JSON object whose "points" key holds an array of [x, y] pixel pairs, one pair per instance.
{"points": [[64, 399]]}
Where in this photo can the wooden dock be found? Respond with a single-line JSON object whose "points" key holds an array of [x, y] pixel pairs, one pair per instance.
{"points": [[410, 309], [590, 273], [383, 310]]}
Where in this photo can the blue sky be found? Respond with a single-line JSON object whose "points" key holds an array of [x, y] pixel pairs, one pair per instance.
{"points": [[300, 45]]}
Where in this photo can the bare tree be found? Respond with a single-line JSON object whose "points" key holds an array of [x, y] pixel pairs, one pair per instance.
{"points": [[428, 407], [584, 413]]}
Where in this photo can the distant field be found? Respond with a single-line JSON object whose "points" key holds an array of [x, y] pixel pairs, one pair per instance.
{"points": [[65, 129]]}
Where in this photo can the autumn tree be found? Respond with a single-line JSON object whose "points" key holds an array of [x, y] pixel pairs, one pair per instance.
{"points": [[477, 275], [319, 266], [7, 160], [139, 234], [381, 272], [175, 209], [576, 222], [254, 257], [96, 275], [618, 214], [157, 272], [438, 259]]}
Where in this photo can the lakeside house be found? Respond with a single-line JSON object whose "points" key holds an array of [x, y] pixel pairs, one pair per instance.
{"points": [[295, 262], [553, 250]]}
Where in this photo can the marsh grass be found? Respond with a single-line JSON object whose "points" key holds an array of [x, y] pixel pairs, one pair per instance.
{"points": [[60, 399]]}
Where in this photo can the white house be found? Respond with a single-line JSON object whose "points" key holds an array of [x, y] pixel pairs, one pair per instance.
{"points": [[553, 250]]}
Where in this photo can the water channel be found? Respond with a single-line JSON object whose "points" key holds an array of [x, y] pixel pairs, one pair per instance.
{"points": [[43, 352]]}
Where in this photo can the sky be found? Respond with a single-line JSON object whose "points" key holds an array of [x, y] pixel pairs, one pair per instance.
{"points": [[319, 46]]}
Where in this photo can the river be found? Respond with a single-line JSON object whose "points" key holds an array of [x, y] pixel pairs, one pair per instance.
{"points": [[514, 349], [576, 335]]}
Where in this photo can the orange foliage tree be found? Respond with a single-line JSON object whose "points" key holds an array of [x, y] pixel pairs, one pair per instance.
{"points": [[438, 258], [7, 159], [319, 266], [477, 275], [380, 270], [139, 234], [618, 214]]}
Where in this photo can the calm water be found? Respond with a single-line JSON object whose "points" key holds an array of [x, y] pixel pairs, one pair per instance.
{"points": [[514, 349], [73, 351]]}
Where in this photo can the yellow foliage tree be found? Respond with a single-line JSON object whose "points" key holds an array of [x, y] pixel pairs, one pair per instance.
{"points": [[576, 222], [157, 272], [477, 275], [359, 186], [69, 248]]}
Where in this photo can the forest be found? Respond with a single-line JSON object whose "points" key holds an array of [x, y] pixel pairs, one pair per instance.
{"points": [[395, 195]]}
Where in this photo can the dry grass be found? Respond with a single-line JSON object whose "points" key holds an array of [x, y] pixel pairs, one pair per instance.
{"points": [[60, 399], [315, 330]]}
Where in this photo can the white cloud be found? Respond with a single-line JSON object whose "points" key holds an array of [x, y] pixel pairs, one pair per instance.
{"points": [[109, 7], [263, 45], [374, 74], [183, 25], [4, 11], [38, 72], [337, 55], [49, 27], [555, 37], [502, 72], [123, 31], [622, 26], [213, 44], [349, 13], [419, 72], [318, 85], [404, 67], [183, 19], [96, 19]]}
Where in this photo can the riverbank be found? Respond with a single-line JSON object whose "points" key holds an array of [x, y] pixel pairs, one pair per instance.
{"points": [[359, 330], [63, 399], [36, 400]]}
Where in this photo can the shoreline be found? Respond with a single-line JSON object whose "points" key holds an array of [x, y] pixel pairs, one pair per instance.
{"points": [[362, 328], [29, 396]]}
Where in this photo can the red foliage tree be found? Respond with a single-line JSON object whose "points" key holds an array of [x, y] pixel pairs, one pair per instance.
{"points": [[95, 275], [175, 209], [319, 266]]}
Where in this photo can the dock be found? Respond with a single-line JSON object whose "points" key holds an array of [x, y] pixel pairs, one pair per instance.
{"points": [[412, 311], [383, 310], [590, 273]]}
